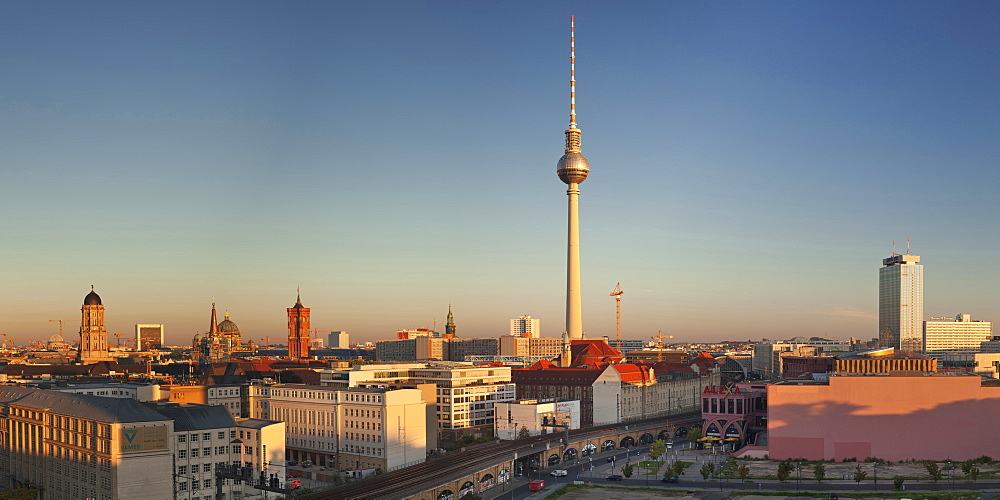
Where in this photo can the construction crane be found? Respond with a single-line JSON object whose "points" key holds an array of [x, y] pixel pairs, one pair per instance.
{"points": [[60, 321], [118, 338], [659, 344], [617, 294], [7, 339]]}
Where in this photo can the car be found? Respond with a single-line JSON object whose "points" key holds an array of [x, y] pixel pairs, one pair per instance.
{"points": [[559, 473], [669, 479], [611, 459], [616, 477], [833, 496], [307, 464], [293, 463]]}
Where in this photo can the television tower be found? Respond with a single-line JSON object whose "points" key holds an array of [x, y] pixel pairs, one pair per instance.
{"points": [[573, 169]]}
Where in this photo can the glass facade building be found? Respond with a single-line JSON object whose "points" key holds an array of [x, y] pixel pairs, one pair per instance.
{"points": [[901, 303]]}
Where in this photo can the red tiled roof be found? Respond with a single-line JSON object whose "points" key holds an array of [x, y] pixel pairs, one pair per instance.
{"points": [[630, 372], [556, 376]]}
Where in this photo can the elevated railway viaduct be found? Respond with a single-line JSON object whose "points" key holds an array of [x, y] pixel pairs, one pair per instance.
{"points": [[487, 466]]}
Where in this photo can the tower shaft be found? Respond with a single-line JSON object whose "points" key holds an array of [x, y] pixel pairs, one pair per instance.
{"points": [[574, 303]]}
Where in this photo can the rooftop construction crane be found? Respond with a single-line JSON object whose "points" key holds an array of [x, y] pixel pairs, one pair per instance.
{"points": [[60, 321], [118, 338], [617, 294], [659, 344]]}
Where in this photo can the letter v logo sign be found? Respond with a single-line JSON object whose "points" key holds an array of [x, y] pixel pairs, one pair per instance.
{"points": [[130, 435]]}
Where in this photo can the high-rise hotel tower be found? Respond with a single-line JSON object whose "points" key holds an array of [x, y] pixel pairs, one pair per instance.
{"points": [[573, 169], [901, 303]]}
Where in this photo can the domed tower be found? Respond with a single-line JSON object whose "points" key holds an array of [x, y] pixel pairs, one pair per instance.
{"points": [[298, 329], [573, 169], [449, 328], [93, 334], [230, 332]]}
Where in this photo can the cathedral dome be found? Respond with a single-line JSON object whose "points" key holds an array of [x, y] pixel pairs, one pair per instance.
{"points": [[228, 326], [92, 299]]}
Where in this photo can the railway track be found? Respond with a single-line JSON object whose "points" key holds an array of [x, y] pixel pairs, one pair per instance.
{"points": [[415, 479]]}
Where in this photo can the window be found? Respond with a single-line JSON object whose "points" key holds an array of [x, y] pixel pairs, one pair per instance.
{"points": [[208, 484], [195, 485], [182, 438], [194, 452], [232, 434], [222, 434], [207, 452], [206, 468], [236, 448], [194, 437], [182, 453], [206, 436], [182, 486], [182, 469]]}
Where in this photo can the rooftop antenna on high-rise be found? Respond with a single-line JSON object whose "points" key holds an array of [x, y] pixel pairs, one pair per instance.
{"points": [[907, 245], [893, 254]]}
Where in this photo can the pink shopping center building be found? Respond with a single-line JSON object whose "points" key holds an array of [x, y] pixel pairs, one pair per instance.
{"points": [[890, 417]]}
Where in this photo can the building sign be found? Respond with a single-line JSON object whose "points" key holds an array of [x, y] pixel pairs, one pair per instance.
{"points": [[143, 439], [721, 389]]}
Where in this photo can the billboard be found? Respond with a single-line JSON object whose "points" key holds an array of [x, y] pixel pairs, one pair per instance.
{"points": [[143, 439]]}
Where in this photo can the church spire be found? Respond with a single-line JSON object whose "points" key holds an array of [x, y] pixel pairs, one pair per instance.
{"points": [[213, 329], [449, 328]]}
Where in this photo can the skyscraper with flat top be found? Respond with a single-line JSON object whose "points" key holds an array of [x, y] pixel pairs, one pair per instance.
{"points": [[901, 303]]}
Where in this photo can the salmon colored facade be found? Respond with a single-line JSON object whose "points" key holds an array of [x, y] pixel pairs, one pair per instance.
{"points": [[888, 417]]}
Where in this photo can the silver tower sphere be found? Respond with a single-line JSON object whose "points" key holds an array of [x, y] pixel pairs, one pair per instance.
{"points": [[573, 167]]}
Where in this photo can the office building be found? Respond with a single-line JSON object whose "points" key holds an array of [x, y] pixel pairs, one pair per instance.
{"points": [[960, 333], [73, 446], [766, 361], [354, 429], [534, 415], [525, 326], [339, 340], [901, 302], [148, 337]]}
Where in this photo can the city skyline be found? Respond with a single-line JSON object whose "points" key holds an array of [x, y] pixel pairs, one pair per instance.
{"points": [[755, 161]]}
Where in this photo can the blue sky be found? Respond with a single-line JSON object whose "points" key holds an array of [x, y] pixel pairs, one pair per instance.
{"points": [[750, 163]]}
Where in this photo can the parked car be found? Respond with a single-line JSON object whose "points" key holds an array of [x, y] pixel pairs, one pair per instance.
{"points": [[616, 477], [669, 479], [292, 463], [307, 464], [559, 473]]}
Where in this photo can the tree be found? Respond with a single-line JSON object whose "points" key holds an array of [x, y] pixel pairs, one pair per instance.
{"points": [[897, 482], [859, 474], [657, 449], [744, 471], [289, 377], [819, 471], [707, 469], [627, 470], [784, 470], [523, 433], [17, 494], [970, 469], [694, 434], [933, 470]]}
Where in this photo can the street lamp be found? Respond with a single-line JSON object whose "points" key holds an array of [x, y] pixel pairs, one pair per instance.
{"points": [[875, 470]]}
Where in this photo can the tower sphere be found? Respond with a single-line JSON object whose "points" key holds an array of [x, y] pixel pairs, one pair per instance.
{"points": [[573, 168]]}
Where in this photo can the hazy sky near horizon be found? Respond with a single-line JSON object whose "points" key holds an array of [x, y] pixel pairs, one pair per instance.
{"points": [[750, 163]]}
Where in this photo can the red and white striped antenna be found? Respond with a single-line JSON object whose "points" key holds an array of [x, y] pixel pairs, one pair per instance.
{"points": [[572, 71]]}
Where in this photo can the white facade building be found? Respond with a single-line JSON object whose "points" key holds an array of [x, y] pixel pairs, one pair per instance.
{"points": [[355, 428], [148, 337], [465, 392], [959, 333], [526, 326], [901, 303]]}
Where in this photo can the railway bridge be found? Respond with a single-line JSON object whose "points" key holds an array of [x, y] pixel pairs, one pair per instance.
{"points": [[487, 466]]}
